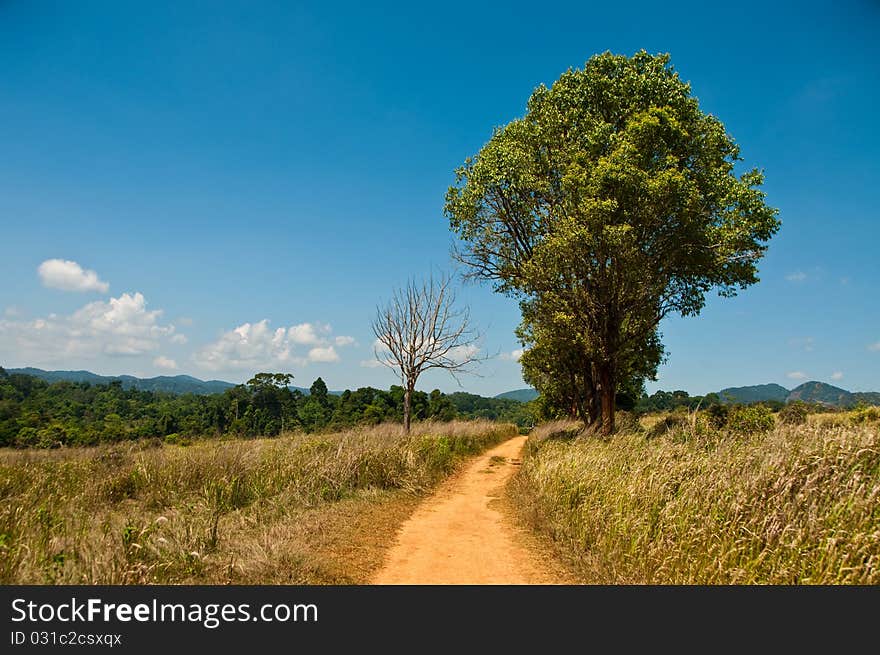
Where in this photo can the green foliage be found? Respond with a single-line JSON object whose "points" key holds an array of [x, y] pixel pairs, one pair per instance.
{"points": [[613, 202], [38, 414], [794, 413], [669, 423], [865, 414], [750, 419]]}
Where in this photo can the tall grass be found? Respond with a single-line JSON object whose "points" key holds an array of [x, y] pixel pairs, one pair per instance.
{"points": [[148, 512], [792, 505]]}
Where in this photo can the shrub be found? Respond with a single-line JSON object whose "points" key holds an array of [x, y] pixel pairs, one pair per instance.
{"points": [[794, 413], [750, 419], [675, 422], [717, 414], [627, 422], [865, 415]]}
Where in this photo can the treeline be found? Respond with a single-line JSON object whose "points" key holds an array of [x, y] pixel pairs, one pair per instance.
{"points": [[36, 413], [661, 401]]}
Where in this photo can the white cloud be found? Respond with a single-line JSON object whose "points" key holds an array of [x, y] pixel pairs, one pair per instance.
{"points": [[164, 362], [837, 375], [179, 339], [119, 326], [69, 276], [305, 334], [514, 355], [12, 312], [323, 354], [462, 353], [806, 343], [796, 375], [256, 346], [343, 340], [797, 276], [874, 347], [371, 363]]}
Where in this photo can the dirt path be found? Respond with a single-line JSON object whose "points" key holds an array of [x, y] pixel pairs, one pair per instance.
{"points": [[459, 536]]}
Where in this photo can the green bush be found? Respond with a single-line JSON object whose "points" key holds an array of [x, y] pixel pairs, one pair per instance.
{"points": [[865, 415], [177, 440], [794, 413], [670, 423], [750, 419], [627, 422], [717, 414]]}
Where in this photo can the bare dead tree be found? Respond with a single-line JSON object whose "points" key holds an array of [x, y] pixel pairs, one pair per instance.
{"points": [[421, 328]]}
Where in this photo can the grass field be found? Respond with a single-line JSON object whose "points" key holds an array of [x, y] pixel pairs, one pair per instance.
{"points": [[298, 509], [797, 504]]}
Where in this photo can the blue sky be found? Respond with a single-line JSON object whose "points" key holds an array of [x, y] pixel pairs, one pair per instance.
{"points": [[228, 170]]}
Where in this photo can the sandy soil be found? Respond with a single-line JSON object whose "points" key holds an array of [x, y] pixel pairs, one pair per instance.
{"points": [[460, 535]]}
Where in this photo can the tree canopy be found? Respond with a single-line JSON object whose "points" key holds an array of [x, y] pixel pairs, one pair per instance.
{"points": [[34, 412], [612, 203]]}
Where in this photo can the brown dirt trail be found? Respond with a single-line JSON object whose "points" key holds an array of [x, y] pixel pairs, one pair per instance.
{"points": [[460, 536]]}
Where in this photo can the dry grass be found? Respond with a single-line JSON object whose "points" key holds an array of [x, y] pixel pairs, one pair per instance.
{"points": [[295, 509], [795, 505]]}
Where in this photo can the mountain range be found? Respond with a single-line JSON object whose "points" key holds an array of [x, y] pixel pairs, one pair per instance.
{"points": [[809, 392], [166, 383], [812, 391]]}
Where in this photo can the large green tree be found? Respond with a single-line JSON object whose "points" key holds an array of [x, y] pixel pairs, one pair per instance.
{"points": [[612, 203]]}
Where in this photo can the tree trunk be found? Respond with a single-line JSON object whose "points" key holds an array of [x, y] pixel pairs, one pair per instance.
{"points": [[594, 406], [407, 410], [606, 391]]}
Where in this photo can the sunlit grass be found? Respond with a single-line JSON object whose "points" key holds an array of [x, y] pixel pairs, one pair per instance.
{"points": [[798, 504], [214, 511]]}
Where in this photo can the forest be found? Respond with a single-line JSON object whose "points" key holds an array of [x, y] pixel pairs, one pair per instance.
{"points": [[35, 413]]}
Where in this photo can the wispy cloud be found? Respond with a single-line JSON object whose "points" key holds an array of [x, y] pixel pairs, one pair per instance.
{"points": [[804, 343], [797, 276], [837, 375], [513, 356], [164, 362], [874, 347], [796, 375]]}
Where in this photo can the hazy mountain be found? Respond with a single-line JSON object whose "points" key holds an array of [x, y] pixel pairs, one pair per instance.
{"points": [[819, 392], [522, 395], [867, 397], [809, 392], [166, 383], [754, 394]]}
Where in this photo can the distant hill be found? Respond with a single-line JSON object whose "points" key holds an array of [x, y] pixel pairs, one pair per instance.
{"points": [[754, 394], [521, 395], [819, 392], [867, 397], [167, 383], [808, 392]]}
